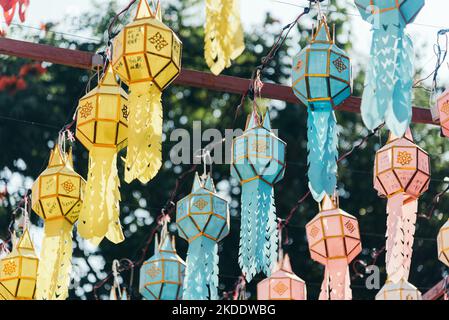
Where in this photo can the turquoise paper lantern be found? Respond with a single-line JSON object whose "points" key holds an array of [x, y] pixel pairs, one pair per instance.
{"points": [[161, 276], [402, 11], [321, 75], [202, 218], [258, 162]]}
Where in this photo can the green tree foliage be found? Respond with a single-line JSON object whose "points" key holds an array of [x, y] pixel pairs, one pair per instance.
{"points": [[30, 121]]}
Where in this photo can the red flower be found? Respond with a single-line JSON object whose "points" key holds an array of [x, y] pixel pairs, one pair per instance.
{"points": [[9, 8]]}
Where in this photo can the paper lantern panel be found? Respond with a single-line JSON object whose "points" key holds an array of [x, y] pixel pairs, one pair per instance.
{"points": [[147, 50], [401, 166], [258, 153], [402, 290], [443, 111], [390, 10], [102, 117], [333, 234], [443, 244], [202, 213], [322, 71]]}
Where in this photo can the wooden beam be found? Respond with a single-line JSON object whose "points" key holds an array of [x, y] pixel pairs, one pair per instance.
{"points": [[190, 78], [436, 292]]}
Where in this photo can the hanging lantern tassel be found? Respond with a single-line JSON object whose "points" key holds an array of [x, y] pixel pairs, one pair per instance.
{"points": [[402, 174], [322, 78], [388, 83], [147, 57], [258, 162], [203, 220], [224, 40], [334, 241], [57, 197], [144, 155], [102, 122], [401, 210]]}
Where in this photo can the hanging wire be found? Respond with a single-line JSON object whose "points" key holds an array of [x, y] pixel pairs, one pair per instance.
{"points": [[441, 55]]}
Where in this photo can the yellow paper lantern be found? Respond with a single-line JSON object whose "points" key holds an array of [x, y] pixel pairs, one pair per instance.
{"points": [[57, 196], [443, 244], [18, 271], [102, 127], [147, 57]]}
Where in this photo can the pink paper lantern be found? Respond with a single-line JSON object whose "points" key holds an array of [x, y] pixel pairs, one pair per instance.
{"points": [[443, 112], [401, 167], [334, 241], [403, 290], [402, 174], [283, 284]]}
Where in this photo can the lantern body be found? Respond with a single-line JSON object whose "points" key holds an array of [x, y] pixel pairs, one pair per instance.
{"points": [[258, 153], [401, 166], [402, 290], [443, 244], [322, 72], [202, 213], [388, 11], [161, 276], [283, 284], [58, 191], [443, 112], [333, 234], [18, 270], [102, 117], [146, 50]]}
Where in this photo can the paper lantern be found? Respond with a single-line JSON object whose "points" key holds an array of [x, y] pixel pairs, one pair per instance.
{"points": [[443, 244], [223, 34], [399, 291], [387, 96], [202, 218], [443, 112], [283, 284], [321, 76], [102, 121], [161, 276], [334, 241], [258, 162], [402, 174], [18, 271], [57, 197], [147, 57]]}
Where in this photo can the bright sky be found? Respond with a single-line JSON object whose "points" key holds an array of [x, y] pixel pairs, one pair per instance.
{"points": [[432, 18]]}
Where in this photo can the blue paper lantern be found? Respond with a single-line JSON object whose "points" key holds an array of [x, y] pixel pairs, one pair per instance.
{"points": [[321, 76], [161, 276], [258, 162], [202, 218], [387, 96]]}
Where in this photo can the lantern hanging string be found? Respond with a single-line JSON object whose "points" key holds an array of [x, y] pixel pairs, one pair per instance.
{"points": [[441, 55]]}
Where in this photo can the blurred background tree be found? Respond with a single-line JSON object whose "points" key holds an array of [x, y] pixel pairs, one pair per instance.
{"points": [[34, 105]]}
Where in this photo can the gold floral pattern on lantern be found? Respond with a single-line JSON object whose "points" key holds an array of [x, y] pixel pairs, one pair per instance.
{"points": [[9, 268], [200, 204], [260, 146], [86, 110], [339, 64], [158, 41], [68, 186], [299, 65], [404, 157], [445, 107], [280, 288], [153, 271]]}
